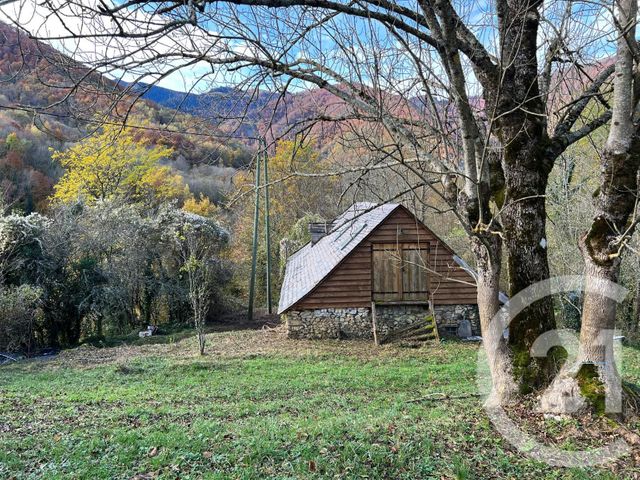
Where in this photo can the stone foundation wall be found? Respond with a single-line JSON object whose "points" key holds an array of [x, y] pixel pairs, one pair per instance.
{"points": [[327, 323], [395, 317], [450, 316]]}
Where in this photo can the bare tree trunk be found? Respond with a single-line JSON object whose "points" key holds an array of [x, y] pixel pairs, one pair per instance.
{"points": [[601, 248], [202, 340], [594, 377], [602, 245], [520, 124], [598, 324], [596, 374], [488, 251], [199, 302], [524, 223]]}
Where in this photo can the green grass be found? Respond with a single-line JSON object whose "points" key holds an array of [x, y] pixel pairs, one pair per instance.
{"points": [[291, 410]]}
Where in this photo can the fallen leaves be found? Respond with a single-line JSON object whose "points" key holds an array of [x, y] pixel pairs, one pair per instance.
{"points": [[244, 344]]}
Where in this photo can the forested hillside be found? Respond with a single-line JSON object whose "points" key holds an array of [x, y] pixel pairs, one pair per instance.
{"points": [[33, 74], [253, 112], [211, 134]]}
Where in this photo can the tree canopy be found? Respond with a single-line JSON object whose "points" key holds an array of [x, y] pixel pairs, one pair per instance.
{"points": [[116, 163]]}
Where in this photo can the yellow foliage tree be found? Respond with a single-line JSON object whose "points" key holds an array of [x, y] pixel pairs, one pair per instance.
{"points": [[200, 206], [292, 194], [117, 163]]}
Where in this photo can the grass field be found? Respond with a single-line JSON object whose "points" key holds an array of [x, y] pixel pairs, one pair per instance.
{"points": [[261, 406]]}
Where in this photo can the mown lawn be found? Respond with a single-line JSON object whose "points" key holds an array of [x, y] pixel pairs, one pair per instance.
{"points": [[259, 406]]}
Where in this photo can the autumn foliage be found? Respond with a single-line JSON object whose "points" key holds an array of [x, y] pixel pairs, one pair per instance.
{"points": [[117, 164]]}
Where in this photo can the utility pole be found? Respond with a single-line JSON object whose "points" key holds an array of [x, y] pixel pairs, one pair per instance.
{"points": [[267, 233], [256, 218]]}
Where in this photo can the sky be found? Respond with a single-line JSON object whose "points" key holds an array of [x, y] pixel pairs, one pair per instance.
{"points": [[42, 23]]}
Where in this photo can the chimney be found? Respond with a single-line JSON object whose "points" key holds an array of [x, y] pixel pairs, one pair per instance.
{"points": [[319, 230]]}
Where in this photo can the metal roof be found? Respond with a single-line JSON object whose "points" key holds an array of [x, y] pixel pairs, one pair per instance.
{"points": [[312, 263]]}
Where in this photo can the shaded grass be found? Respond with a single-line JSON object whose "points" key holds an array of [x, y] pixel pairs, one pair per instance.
{"points": [[296, 410], [168, 334]]}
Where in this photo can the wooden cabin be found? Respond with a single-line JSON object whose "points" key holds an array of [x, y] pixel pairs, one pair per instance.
{"points": [[375, 259]]}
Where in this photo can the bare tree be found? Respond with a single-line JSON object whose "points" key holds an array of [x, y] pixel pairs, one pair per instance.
{"points": [[198, 241], [612, 226], [452, 91]]}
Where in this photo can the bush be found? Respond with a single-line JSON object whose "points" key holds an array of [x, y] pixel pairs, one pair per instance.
{"points": [[104, 270], [20, 312], [21, 247]]}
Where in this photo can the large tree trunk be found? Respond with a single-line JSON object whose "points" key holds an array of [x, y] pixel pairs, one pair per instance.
{"points": [[596, 336], [520, 124], [602, 245], [601, 248], [595, 376], [487, 251], [524, 223]]}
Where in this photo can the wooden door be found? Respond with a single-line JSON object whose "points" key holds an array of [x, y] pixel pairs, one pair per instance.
{"points": [[387, 266], [399, 273], [414, 274]]}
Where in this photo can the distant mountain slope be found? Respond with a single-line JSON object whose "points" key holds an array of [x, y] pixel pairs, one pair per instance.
{"points": [[33, 74], [222, 100], [250, 114], [236, 111], [186, 102]]}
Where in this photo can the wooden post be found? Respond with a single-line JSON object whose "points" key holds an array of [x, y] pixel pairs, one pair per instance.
{"points": [[433, 317], [373, 321], [267, 233], [256, 218]]}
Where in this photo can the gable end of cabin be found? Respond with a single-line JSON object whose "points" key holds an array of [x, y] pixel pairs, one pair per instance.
{"points": [[400, 269]]}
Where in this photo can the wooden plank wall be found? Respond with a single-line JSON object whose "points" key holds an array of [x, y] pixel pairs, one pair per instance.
{"points": [[349, 285]]}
